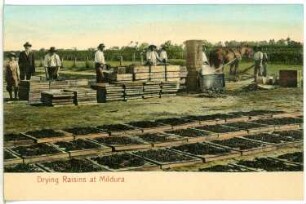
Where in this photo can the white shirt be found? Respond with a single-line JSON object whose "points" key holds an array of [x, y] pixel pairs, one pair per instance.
{"points": [[204, 58], [52, 60], [99, 57], [258, 56], [163, 55], [152, 56]]}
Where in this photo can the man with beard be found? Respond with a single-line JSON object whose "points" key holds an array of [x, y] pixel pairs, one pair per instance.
{"points": [[26, 62]]}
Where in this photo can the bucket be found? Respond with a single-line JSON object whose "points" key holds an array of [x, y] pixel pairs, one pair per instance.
{"points": [[212, 82]]}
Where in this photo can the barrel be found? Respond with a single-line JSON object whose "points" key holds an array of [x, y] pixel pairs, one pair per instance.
{"points": [[194, 59], [212, 82]]}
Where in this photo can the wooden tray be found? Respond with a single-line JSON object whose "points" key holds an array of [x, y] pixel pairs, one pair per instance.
{"points": [[148, 166], [130, 147], [90, 136], [25, 141], [47, 169], [169, 165], [85, 152], [228, 135], [255, 150], [156, 129], [66, 137], [268, 128], [212, 157], [16, 160], [45, 157], [287, 127]]}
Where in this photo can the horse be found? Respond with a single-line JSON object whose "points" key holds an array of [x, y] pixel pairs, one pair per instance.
{"points": [[221, 56]]}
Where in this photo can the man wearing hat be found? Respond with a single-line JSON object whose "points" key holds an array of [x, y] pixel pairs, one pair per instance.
{"points": [[12, 75], [152, 55], [52, 63], [26, 62], [163, 55], [100, 64], [258, 57]]}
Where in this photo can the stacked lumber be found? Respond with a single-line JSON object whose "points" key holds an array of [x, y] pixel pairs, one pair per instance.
{"points": [[84, 95], [151, 90], [156, 73], [120, 77], [109, 92], [57, 97], [133, 90], [169, 88], [58, 84], [78, 83], [140, 73]]}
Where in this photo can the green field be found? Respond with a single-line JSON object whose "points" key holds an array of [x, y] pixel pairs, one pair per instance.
{"points": [[19, 116], [80, 71]]}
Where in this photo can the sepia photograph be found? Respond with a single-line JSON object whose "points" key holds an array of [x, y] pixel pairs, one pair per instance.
{"points": [[159, 88]]}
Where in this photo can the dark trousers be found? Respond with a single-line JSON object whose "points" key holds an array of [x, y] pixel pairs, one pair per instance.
{"points": [[52, 73], [100, 76], [25, 75]]}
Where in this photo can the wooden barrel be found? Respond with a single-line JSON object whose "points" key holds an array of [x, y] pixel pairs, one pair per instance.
{"points": [[194, 59]]}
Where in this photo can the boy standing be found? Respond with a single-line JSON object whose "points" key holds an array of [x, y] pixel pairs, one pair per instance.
{"points": [[12, 75]]}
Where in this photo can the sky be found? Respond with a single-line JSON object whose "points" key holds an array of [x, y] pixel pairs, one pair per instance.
{"points": [[85, 27]]}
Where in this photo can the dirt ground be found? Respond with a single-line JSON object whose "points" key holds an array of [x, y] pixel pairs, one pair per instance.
{"points": [[19, 116]]}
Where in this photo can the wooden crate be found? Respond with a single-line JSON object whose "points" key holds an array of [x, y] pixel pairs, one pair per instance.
{"points": [[290, 78]]}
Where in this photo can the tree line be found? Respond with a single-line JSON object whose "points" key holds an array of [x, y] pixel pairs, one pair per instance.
{"points": [[281, 51]]}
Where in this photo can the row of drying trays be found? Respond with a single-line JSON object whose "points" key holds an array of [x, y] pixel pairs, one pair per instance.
{"points": [[131, 138]]}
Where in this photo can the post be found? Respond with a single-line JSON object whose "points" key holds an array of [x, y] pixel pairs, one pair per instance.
{"points": [[141, 59], [134, 57], [121, 60]]}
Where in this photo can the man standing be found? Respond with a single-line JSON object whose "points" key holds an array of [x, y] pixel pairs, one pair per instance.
{"points": [[26, 62], [12, 76], [152, 56], [100, 65], [265, 63], [258, 57], [163, 55], [52, 63]]}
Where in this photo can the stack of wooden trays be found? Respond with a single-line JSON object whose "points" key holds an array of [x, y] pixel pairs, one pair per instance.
{"points": [[57, 97], [183, 76], [133, 91], [31, 90], [140, 73], [169, 88], [109, 92], [151, 90], [84, 95]]}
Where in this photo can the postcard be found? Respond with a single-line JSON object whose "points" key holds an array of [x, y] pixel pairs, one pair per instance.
{"points": [[153, 101]]}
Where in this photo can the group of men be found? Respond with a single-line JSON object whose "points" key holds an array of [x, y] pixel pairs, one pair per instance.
{"points": [[152, 58], [25, 67]]}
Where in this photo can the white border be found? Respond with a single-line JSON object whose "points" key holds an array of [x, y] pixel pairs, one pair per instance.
{"points": [[133, 2]]}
